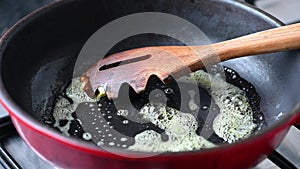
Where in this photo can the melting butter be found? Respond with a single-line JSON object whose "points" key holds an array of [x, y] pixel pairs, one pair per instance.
{"points": [[179, 127], [235, 120], [192, 103], [63, 108]]}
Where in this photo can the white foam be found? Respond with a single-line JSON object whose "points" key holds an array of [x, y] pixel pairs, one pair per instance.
{"points": [[63, 108], [179, 127], [235, 120]]}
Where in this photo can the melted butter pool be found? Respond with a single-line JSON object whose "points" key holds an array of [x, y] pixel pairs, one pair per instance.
{"points": [[234, 122]]}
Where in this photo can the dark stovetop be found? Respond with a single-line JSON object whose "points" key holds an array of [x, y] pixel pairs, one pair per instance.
{"points": [[15, 153]]}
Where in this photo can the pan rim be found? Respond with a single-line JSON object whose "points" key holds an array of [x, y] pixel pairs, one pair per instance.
{"points": [[21, 115]]}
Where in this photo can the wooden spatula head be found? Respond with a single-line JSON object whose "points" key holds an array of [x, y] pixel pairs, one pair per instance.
{"points": [[134, 67]]}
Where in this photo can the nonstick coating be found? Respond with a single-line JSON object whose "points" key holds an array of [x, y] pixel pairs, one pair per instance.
{"points": [[39, 58]]}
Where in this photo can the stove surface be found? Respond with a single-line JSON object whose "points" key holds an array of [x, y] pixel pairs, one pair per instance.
{"points": [[15, 153]]}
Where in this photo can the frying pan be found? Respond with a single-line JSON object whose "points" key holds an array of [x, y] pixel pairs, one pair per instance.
{"points": [[38, 55]]}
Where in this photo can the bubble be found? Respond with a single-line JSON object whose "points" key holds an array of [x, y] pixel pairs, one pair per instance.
{"points": [[123, 139], [100, 143], [48, 122], [109, 117], [125, 122], [87, 136], [91, 105], [204, 107], [169, 91], [122, 112], [111, 143]]}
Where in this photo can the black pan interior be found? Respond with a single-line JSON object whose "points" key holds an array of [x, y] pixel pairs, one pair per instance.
{"points": [[38, 61]]}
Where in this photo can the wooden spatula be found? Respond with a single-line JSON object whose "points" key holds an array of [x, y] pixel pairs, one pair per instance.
{"points": [[136, 66]]}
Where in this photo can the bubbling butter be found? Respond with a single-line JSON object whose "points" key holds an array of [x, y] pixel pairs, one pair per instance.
{"points": [[235, 120], [179, 127], [63, 108]]}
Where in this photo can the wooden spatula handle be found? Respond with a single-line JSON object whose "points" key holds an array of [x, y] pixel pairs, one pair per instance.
{"points": [[272, 40]]}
